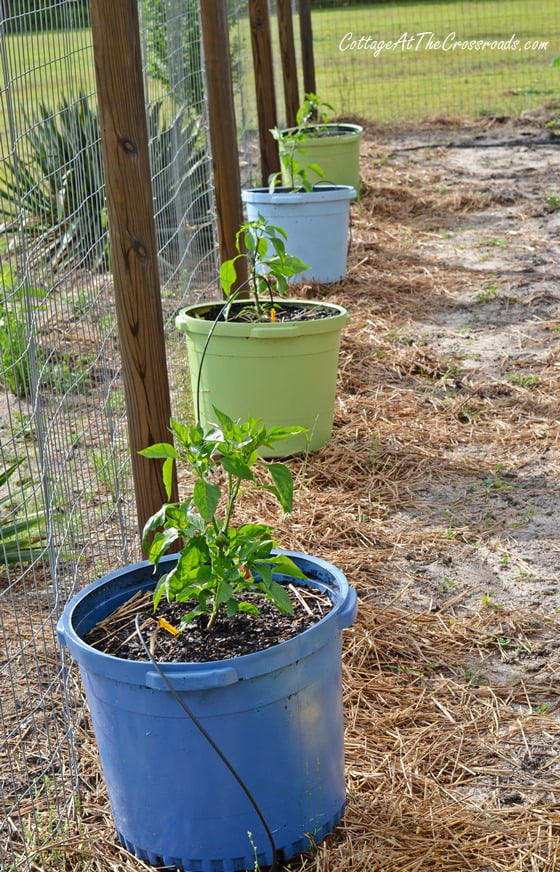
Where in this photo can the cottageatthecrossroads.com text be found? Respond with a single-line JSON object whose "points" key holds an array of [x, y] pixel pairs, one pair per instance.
{"points": [[428, 41]]}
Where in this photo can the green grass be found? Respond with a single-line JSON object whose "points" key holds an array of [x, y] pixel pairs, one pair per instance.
{"points": [[414, 84], [42, 68]]}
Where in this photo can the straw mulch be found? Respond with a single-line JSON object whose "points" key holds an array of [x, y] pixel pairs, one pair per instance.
{"points": [[438, 497]]}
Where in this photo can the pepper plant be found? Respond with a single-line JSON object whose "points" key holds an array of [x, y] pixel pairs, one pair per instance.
{"points": [[310, 116], [269, 267], [219, 562]]}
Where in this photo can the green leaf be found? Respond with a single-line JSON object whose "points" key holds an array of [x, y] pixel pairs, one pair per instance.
{"points": [[237, 467], [192, 592], [247, 608], [167, 476], [161, 588], [275, 434], [12, 554], [160, 544], [225, 422], [281, 598], [318, 170], [249, 240], [232, 608], [193, 555], [185, 435], [186, 619], [153, 522], [265, 573], [7, 474], [159, 451], [253, 532], [284, 484], [262, 248], [279, 247], [225, 593], [228, 275], [284, 565], [294, 265], [206, 496]]}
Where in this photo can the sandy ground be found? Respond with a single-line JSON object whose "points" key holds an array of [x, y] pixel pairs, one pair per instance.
{"points": [[439, 497]]}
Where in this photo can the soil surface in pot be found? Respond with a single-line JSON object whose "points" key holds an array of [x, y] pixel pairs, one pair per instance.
{"points": [[321, 132], [230, 637], [284, 311]]}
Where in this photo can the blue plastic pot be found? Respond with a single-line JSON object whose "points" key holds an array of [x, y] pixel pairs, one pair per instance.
{"points": [[276, 715]]}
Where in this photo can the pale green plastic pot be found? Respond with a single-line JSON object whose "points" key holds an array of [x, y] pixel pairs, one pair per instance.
{"points": [[281, 373], [334, 147]]}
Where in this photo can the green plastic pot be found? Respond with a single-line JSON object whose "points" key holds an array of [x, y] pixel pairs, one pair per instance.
{"points": [[281, 373], [334, 147]]}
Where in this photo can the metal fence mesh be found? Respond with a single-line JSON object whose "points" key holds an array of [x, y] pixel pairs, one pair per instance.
{"points": [[64, 457], [67, 510]]}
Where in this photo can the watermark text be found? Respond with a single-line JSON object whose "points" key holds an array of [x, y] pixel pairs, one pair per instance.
{"points": [[426, 40]]}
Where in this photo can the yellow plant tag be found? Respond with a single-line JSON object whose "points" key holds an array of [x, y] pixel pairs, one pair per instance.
{"points": [[165, 625]]}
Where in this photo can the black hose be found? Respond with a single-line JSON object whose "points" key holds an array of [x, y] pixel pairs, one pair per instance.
{"points": [[276, 864], [553, 141], [222, 309]]}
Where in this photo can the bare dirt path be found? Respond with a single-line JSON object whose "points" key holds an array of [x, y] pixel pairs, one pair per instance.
{"points": [[440, 497]]}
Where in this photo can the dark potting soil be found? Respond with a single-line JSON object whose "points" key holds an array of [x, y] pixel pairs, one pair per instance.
{"points": [[284, 312], [320, 132], [230, 637]]}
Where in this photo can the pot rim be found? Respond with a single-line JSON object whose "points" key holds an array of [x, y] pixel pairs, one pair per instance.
{"points": [[322, 192], [328, 578], [347, 130], [186, 320]]}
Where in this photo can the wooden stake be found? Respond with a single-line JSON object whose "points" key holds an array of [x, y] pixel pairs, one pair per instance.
{"points": [[264, 84], [223, 128], [124, 140], [306, 37], [288, 55]]}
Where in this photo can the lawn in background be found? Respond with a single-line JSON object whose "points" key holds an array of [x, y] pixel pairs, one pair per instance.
{"points": [[41, 69], [412, 84], [421, 82]]}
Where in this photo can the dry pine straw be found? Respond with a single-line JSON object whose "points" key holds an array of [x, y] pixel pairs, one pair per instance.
{"points": [[443, 773]]}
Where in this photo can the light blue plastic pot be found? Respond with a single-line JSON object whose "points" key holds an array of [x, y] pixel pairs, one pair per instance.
{"points": [[276, 715], [316, 223]]}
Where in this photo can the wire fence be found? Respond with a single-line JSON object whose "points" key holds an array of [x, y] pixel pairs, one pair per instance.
{"points": [[67, 509], [67, 503]]}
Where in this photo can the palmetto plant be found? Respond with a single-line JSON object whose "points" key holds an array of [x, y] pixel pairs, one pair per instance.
{"points": [[24, 540], [53, 191], [57, 185]]}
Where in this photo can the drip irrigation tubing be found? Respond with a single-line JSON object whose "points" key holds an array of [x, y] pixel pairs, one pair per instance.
{"points": [[277, 863]]}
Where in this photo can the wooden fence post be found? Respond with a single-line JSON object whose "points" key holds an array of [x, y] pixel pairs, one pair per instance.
{"points": [[223, 128], [288, 55], [124, 140], [264, 85], [306, 37]]}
